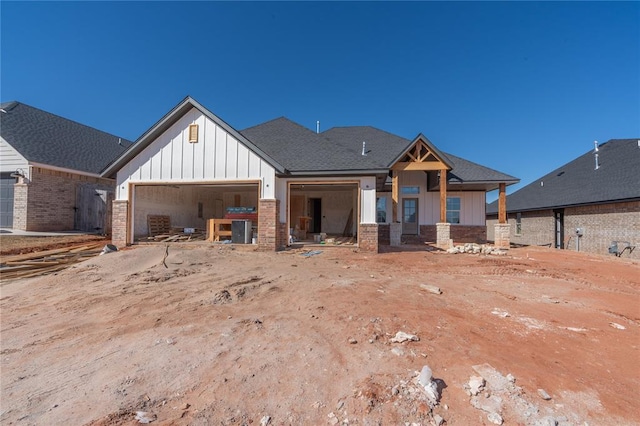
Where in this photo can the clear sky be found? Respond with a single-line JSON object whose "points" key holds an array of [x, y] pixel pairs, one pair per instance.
{"points": [[522, 87]]}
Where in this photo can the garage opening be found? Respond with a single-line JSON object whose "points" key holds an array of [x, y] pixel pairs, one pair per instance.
{"points": [[195, 212], [323, 213]]}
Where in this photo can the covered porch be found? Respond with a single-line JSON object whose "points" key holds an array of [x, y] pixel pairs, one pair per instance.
{"points": [[432, 197]]}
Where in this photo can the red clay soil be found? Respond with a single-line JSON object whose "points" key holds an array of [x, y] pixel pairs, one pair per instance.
{"points": [[228, 336]]}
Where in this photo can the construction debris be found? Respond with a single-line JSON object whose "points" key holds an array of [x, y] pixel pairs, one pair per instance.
{"points": [[401, 337], [177, 235], [477, 249], [46, 262], [431, 288]]}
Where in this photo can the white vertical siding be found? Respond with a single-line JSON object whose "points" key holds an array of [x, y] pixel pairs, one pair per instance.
{"points": [[368, 200], [472, 203], [216, 157], [10, 159]]}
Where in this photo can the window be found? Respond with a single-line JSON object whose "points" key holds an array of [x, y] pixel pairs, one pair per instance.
{"points": [[518, 223], [410, 190], [453, 209], [381, 210]]}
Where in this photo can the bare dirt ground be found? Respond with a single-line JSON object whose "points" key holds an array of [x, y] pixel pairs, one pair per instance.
{"points": [[19, 244], [228, 336]]}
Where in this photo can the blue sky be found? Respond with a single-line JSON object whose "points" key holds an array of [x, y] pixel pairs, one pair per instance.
{"points": [[522, 87]]}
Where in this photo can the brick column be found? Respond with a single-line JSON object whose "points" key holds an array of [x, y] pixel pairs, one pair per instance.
{"points": [[119, 225], [443, 236], [368, 237], [20, 205], [501, 235], [269, 228]]}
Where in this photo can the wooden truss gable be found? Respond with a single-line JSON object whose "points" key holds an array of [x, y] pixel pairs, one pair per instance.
{"points": [[420, 156]]}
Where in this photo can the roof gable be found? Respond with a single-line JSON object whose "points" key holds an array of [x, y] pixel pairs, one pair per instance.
{"points": [[45, 138], [421, 155], [579, 182], [169, 120]]}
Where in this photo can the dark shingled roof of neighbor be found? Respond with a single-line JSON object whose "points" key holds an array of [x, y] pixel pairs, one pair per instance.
{"points": [[49, 139], [579, 182]]}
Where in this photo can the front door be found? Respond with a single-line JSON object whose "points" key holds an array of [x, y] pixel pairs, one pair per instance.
{"points": [[410, 216]]}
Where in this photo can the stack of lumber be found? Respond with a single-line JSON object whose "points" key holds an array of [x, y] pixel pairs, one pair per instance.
{"points": [[46, 262], [177, 235]]}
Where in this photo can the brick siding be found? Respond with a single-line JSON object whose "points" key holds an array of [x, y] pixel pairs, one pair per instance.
{"points": [[119, 222], [271, 233], [368, 237], [384, 234], [47, 202], [601, 224]]}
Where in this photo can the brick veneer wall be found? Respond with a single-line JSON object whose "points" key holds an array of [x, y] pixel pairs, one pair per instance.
{"points": [[601, 224], [47, 202], [384, 234], [538, 228], [458, 233], [20, 206], [283, 237], [270, 231], [368, 237], [119, 223]]}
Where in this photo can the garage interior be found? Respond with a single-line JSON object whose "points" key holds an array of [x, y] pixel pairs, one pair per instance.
{"points": [[323, 213], [195, 212]]}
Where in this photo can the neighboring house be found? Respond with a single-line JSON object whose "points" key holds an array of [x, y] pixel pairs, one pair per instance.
{"points": [[50, 172], [346, 181], [585, 205]]}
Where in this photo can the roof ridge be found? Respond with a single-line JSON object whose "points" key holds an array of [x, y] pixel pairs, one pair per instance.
{"points": [[282, 117]]}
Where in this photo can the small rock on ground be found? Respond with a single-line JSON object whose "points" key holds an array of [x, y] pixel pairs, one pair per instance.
{"points": [[543, 394], [495, 418]]}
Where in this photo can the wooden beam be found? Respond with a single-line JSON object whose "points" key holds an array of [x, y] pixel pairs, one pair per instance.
{"points": [[443, 195], [426, 165], [394, 196], [502, 203]]}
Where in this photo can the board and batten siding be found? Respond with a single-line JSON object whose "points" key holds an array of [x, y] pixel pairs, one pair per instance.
{"points": [[472, 203], [10, 159], [217, 157]]}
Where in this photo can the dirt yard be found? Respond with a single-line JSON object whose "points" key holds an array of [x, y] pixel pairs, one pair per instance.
{"points": [[228, 336]]}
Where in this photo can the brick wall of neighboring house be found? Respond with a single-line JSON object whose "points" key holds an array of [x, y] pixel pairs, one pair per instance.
{"points": [[119, 216], [368, 237], [537, 228], [47, 201], [601, 224], [269, 233]]}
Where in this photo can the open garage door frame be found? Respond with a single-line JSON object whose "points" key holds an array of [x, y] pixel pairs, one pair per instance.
{"points": [[310, 188], [188, 209]]}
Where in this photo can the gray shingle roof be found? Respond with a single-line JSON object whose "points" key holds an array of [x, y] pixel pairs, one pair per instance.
{"points": [[302, 150], [468, 171], [579, 183], [340, 149], [45, 138]]}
